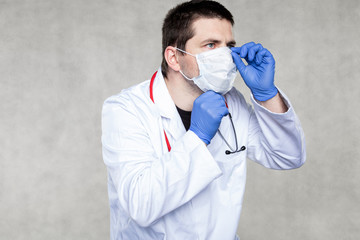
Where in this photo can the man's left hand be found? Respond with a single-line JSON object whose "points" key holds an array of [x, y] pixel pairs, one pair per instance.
{"points": [[259, 73]]}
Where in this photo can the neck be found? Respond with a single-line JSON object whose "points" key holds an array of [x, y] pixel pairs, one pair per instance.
{"points": [[183, 92]]}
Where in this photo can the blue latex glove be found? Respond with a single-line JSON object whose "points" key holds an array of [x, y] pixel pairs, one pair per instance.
{"points": [[208, 110], [259, 73]]}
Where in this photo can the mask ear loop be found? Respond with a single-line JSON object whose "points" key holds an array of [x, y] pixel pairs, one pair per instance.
{"points": [[187, 78], [184, 51]]}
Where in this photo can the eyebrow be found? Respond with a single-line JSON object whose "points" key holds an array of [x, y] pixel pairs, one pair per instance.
{"points": [[231, 43], [210, 40]]}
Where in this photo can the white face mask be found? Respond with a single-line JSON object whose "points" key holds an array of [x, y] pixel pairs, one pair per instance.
{"points": [[217, 70]]}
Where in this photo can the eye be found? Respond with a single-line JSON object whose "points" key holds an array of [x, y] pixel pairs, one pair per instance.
{"points": [[210, 45]]}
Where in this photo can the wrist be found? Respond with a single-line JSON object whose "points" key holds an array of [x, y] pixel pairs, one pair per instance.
{"points": [[275, 104], [200, 135], [264, 95]]}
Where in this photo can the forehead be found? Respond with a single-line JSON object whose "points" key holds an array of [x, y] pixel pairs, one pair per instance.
{"points": [[212, 28]]}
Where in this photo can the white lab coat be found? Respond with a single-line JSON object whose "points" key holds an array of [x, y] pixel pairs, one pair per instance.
{"points": [[193, 191]]}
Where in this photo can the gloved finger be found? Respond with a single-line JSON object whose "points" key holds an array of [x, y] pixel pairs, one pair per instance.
{"points": [[212, 99], [216, 106], [201, 100], [224, 111], [221, 101], [253, 51], [259, 56], [221, 109], [268, 57], [235, 49], [216, 99], [208, 95], [245, 48], [238, 62]]}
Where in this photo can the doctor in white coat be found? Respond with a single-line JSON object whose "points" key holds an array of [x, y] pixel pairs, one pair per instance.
{"points": [[176, 146]]}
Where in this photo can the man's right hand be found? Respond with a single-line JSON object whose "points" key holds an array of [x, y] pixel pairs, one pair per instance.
{"points": [[208, 110]]}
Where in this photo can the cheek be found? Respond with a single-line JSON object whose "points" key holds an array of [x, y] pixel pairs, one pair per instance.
{"points": [[189, 67]]}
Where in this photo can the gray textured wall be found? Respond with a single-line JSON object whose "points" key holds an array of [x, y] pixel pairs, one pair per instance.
{"points": [[59, 60]]}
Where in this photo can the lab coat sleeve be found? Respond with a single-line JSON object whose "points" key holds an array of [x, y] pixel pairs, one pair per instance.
{"points": [[148, 186], [275, 140]]}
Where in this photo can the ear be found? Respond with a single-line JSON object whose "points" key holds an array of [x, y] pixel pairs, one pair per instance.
{"points": [[170, 55]]}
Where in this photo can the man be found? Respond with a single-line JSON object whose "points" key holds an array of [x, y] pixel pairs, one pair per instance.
{"points": [[176, 146]]}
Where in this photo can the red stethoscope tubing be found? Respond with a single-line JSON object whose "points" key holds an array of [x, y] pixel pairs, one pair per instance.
{"points": [[152, 99]]}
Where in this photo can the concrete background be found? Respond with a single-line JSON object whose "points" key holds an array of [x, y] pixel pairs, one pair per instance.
{"points": [[59, 60]]}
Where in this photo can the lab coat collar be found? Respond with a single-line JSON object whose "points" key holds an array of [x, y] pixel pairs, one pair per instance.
{"points": [[166, 106], [162, 98]]}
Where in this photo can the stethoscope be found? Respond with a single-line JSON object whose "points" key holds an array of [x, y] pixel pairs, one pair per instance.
{"points": [[227, 152], [242, 148]]}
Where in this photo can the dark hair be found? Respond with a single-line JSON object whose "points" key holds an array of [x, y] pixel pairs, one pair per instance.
{"points": [[177, 27]]}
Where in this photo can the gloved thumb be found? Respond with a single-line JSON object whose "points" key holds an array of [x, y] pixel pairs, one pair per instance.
{"points": [[238, 62]]}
